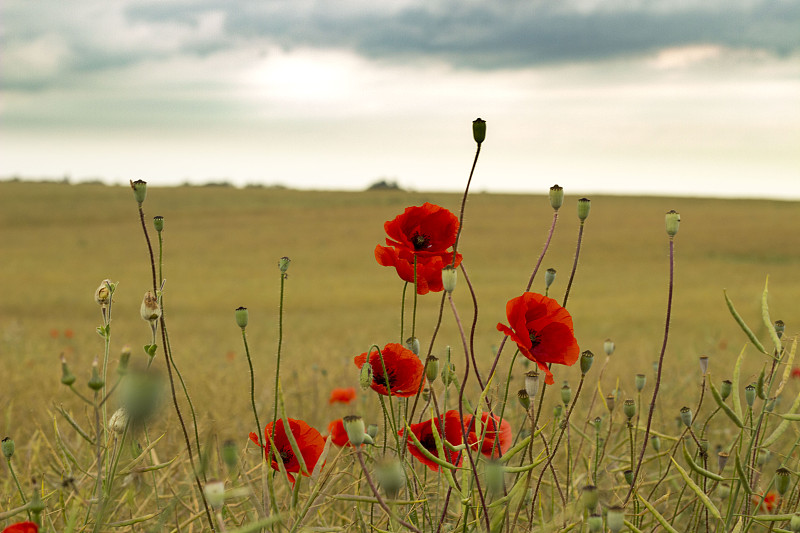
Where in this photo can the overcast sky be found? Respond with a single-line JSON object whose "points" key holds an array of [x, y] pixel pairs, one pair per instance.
{"points": [[649, 96]]}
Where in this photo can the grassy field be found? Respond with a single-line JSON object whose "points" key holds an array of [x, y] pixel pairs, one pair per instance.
{"points": [[221, 251]]}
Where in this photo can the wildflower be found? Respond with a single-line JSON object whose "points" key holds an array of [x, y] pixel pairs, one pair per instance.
{"points": [[342, 395], [22, 527], [424, 433], [796, 372], [493, 444], [404, 370], [768, 502], [337, 433], [542, 330], [309, 442]]}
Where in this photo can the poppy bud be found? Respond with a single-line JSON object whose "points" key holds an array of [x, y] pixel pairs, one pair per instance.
{"points": [[628, 475], [587, 358], [412, 343], [448, 373], [629, 408], [391, 477], [794, 523], [8, 447], [354, 426], [770, 405], [780, 327], [608, 347], [703, 445], [124, 358], [158, 223], [150, 309], [283, 264], [449, 278], [67, 377], [640, 381], [495, 476], [595, 523], [365, 379], [673, 221], [725, 389], [722, 460], [95, 382], [590, 497], [103, 293], [597, 423], [426, 394], [704, 364], [215, 494], [584, 204], [557, 410], [524, 399], [615, 519], [750, 394], [556, 197], [566, 393], [782, 480], [532, 383], [760, 384], [549, 277], [611, 402], [139, 190], [479, 130], [724, 490], [686, 416], [762, 457], [655, 440], [118, 421], [372, 430], [36, 505], [229, 454], [242, 316], [431, 368]]}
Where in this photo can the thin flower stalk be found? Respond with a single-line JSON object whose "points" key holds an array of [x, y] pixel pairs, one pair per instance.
{"points": [[280, 345]]}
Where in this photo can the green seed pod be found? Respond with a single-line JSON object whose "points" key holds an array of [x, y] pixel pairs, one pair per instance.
{"points": [[609, 347], [629, 408], [391, 477], [611, 402], [615, 519], [760, 384], [589, 497], [8, 447], [372, 430], [750, 394], [686, 416], [639, 381], [139, 191], [283, 264], [365, 379], [595, 523], [96, 382], [722, 460], [412, 343], [67, 377], [158, 223], [655, 441], [557, 410], [556, 197], [587, 358], [782, 479], [426, 394], [242, 316], [673, 222], [479, 130], [431, 368], [354, 426], [566, 393], [762, 457], [725, 389], [532, 383], [723, 490], [449, 278], [598, 422], [628, 475], [584, 204], [524, 399], [780, 327], [230, 455], [36, 505], [794, 523], [549, 277]]}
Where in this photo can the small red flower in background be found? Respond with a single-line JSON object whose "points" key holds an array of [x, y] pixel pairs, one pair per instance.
{"points": [[796, 372], [22, 527], [770, 503], [424, 433], [404, 370], [68, 333], [309, 442], [342, 395], [494, 443], [542, 330], [53, 333], [338, 435]]}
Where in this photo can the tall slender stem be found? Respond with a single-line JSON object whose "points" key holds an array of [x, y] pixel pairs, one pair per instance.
{"points": [[280, 344]]}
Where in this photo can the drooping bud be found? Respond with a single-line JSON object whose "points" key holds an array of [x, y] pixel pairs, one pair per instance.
{"points": [[584, 204], [608, 347], [365, 379], [67, 377], [725, 389], [8, 447], [722, 460], [566, 393], [673, 221], [372, 430], [611, 402], [595, 523], [283, 264], [780, 327], [524, 399], [479, 130], [629, 408], [723, 490], [556, 197], [655, 441], [549, 277], [95, 382], [704, 364], [782, 479], [391, 477], [686, 416], [762, 457], [158, 223], [242, 317], [449, 278], [750, 394], [139, 191], [589, 497], [150, 310], [587, 358], [103, 293], [532, 383], [215, 494], [412, 343], [354, 426], [628, 475], [118, 421], [639, 381], [431, 368]]}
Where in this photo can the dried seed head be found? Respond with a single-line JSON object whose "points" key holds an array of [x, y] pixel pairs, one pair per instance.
{"points": [[103, 293], [118, 421], [608, 347], [532, 383], [704, 364], [151, 310]]}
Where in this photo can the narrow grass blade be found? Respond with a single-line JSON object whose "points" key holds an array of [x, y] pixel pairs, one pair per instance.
{"points": [[745, 328], [706, 501]]}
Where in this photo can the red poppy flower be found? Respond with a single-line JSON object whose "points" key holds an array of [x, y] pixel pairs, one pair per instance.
{"points": [[542, 330], [22, 527], [424, 433], [494, 443], [68, 333], [425, 230], [770, 502], [338, 435], [309, 442], [429, 269], [796, 372], [342, 395], [404, 370]]}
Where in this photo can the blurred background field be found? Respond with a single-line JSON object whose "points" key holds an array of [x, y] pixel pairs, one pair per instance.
{"points": [[222, 246]]}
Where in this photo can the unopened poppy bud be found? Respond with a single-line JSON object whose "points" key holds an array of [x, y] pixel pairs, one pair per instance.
{"points": [[103, 293], [597, 423], [524, 399], [589, 497], [556, 197], [587, 358], [532, 383], [615, 519], [794, 523], [242, 317], [158, 223], [557, 410], [640, 380], [283, 264], [628, 475], [655, 441], [703, 445], [762, 457], [611, 401], [608, 347], [722, 460], [704, 364], [431, 368], [36, 505], [426, 394], [673, 221], [780, 327], [365, 379], [495, 477], [629, 408], [549, 277], [595, 523], [723, 490], [150, 309], [584, 204], [449, 278], [67, 377], [782, 480], [566, 393], [750, 394], [686, 416], [391, 477], [479, 130], [124, 359], [230, 455], [412, 343], [354, 426], [8, 447], [215, 494], [139, 190], [770, 405], [118, 421], [725, 389], [96, 382], [372, 430]]}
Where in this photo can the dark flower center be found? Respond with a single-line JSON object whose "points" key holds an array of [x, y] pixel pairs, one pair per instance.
{"points": [[286, 456], [534, 339], [380, 379], [428, 442], [420, 241]]}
